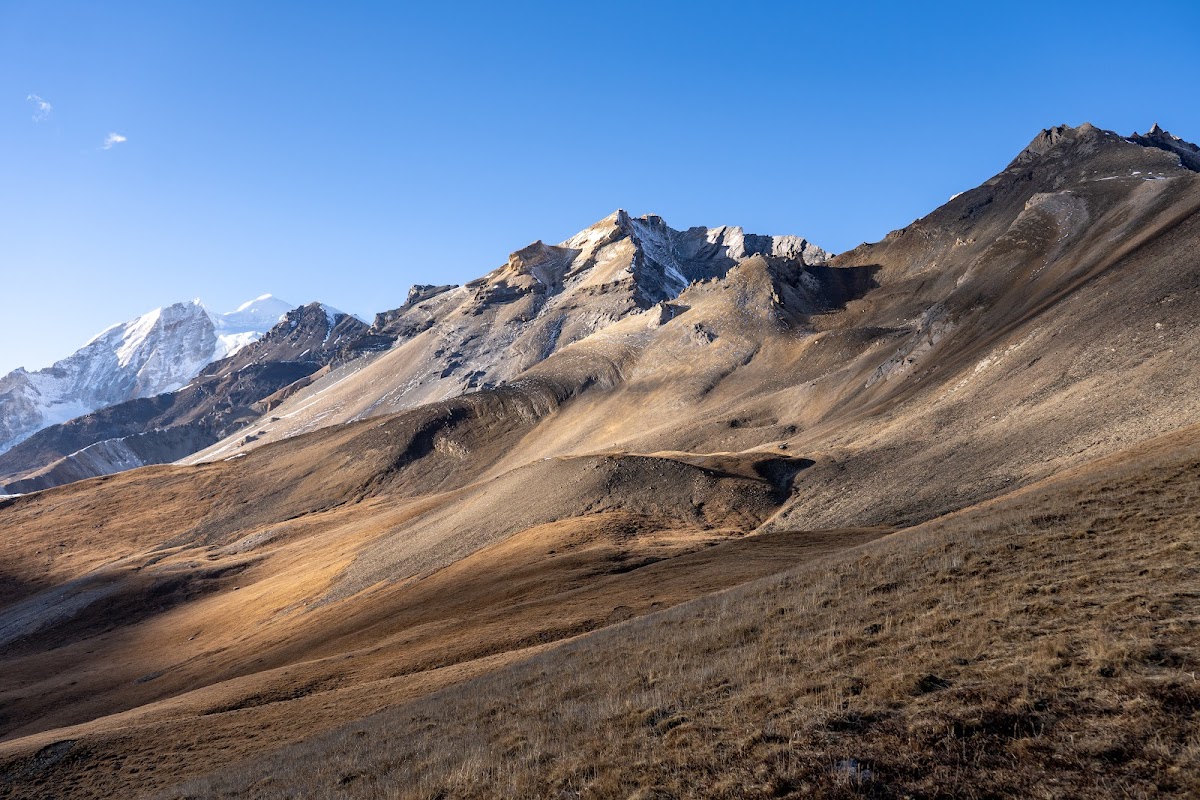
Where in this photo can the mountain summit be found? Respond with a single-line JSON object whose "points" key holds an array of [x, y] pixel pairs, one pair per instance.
{"points": [[449, 340], [1047, 143], [158, 352], [221, 398]]}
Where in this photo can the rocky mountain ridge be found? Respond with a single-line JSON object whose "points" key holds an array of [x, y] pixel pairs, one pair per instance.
{"points": [[448, 340], [872, 335], [490, 330], [1189, 154]]}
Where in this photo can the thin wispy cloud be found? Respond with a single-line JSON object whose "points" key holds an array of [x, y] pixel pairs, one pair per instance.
{"points": [[113, 139], [41, 107]]}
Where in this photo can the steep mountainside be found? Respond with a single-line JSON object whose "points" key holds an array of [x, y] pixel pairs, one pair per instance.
{"points": [[635, 440], [981, 334], [992, 329], [158, 352], [449, 340], [223, 398]]}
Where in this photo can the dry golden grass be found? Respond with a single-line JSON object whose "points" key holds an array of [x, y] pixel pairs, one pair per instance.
{"points": [[149, 696], [1043, 645]]}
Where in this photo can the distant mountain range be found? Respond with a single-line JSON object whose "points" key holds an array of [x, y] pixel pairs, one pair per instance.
{"points": [[130, 383], [157, 352]]}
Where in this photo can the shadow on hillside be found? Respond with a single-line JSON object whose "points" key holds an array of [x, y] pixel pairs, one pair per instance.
{"points": [[14, 589], [781, 472], [842, 285]]}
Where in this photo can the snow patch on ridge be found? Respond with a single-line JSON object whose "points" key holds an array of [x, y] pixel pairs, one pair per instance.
{"points": [[135, 336], [247, 323], [332, 314], [230, 343]]}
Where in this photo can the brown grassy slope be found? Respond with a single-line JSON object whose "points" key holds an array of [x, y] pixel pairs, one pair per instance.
{"points": [[1041, 645], [249, 620], [294, 575], [480, 615], [59, 535]]}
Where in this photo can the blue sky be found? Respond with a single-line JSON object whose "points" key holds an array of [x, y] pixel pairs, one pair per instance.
{"points": [[344, 151]]}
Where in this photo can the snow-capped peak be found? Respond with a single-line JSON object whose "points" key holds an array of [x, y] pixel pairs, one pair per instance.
{"points": [[260, 314], [332, 314], [249, 321], [157, 352], [262, 298]]}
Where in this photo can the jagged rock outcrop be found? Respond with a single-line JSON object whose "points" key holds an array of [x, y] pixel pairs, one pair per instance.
{"points": [[394, 324], [1189, 154]]}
